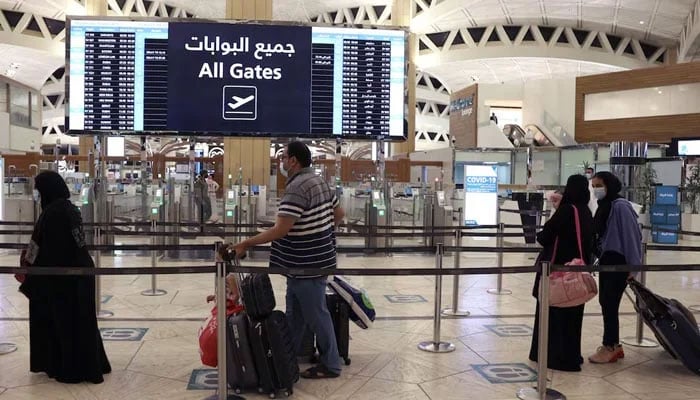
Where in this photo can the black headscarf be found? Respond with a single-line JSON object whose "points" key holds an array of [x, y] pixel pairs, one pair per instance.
{"points": [[51, 187], [576, 191], [613, 187]]}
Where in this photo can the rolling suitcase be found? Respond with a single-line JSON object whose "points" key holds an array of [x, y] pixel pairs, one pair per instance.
{"points": [[340, 314], [258, 296], [240, 369], [673, 325], [273, 351]]}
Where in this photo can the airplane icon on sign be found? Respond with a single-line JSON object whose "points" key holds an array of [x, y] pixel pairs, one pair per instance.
{"points": [[240, 102]]}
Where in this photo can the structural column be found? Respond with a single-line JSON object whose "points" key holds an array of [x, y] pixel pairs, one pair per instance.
{"points": [[401, 14], [251, 155]]}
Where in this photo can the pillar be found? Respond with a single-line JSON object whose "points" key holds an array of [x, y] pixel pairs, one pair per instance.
{"points": [[401, 13], [250, 154], [86, 143]]}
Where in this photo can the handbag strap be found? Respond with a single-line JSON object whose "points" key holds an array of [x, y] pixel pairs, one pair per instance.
{"points": [[578, 231], [578, 237]]}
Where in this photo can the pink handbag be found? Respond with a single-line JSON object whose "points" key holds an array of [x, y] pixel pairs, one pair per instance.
{"points": [[571, 289]]}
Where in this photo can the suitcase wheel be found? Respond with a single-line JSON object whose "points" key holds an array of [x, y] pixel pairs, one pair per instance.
{"points": [[288, 392], [237, 390], [272, 395], [347, 360]]}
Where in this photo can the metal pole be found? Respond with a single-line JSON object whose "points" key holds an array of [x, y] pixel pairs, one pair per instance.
{"points": [[222, 384], [98, 279], [540, 392], [435, 345], [154, 291], [638, 340], [499, 243], [455, 311]]}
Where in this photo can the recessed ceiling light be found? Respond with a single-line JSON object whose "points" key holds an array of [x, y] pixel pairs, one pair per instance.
{"points": [[641, 22]]}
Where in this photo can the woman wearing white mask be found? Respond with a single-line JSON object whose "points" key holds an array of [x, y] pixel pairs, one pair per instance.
{"points": [[619, 242]]}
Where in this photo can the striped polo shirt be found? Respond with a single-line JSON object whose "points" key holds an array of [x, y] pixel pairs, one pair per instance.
{"points": [[311, 241]]}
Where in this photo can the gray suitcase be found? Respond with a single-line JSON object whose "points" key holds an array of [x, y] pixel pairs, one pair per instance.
{"points": [[239, 356]]}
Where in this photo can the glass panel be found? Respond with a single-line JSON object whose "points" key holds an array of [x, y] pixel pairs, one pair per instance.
{"points": [[493, 156], [545, 167], [520, 177], [3, 97], [573, 161], [19, 106], [36, 110], [603, 154]]}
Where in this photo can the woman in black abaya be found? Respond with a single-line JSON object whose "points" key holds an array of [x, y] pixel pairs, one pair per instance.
{"points": [[565, 323], [64, 340]]}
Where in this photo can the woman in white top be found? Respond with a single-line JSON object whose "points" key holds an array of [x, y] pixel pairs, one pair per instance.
{"points": [[213, 188]]}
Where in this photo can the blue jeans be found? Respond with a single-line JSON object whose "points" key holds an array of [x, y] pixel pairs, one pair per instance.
{"points": [[306, 305]]}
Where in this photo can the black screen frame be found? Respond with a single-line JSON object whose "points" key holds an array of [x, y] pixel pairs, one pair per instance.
{"points": [[200, 134]]}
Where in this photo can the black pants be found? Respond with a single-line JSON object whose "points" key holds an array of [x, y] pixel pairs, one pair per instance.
{"points": [[612, 287]]}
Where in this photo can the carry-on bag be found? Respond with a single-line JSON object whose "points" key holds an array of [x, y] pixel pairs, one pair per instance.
{"points": [[360, 308], [240, 366], [273, 352], [673, 324], [258, 296]]}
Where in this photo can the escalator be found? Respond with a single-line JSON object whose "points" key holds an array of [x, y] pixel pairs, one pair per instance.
{"points": [[531, 135]]}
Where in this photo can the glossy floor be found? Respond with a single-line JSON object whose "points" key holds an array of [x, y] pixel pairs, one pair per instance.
{"points": [[153, 346]]}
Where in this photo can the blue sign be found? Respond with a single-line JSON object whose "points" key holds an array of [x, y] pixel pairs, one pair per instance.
{"points": [[666, 195], [243, 81], [481, 184], [658, 215], [665, 234]]}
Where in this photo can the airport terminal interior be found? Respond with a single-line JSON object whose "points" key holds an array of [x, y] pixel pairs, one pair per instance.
{"points": [[445, 129]]}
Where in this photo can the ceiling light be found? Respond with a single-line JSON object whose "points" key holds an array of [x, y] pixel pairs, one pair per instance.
{"points": [[660, 92], [641, 22]]}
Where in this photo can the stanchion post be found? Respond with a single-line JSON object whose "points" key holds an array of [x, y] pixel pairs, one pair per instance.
{"points": [[154, 291], [638, 340], [98, 278], [499, 244], [540, 392], [222, 385], [455, 311], [435, 345]]}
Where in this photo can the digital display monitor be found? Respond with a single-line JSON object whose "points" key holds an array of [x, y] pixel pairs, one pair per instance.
{"points": [[688, 147], [234, 79]]}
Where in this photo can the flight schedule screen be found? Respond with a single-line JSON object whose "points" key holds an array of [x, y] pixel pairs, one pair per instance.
{"points": [[234, 79]]}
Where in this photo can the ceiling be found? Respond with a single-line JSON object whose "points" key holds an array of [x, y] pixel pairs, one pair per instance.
{"points": [[515, 70], [658, 22]]}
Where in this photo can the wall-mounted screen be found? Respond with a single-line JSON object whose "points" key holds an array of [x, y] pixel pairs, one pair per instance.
{"points": [[240, 79], [690, 147]]}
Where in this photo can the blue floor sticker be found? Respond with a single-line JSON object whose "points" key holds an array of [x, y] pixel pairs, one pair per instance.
{"points": [[510, 330], [123, 334], [506, 373], [106, 298], [203, 379], [405, 298]]}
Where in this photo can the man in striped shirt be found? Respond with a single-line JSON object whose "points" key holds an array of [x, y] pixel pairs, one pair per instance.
{"points": [[303, 237]]}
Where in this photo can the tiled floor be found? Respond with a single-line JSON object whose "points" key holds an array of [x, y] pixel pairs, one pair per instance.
{"points": [[153, 340]]}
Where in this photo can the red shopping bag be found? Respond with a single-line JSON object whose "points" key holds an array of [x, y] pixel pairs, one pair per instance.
{"points": [[207, 334]]}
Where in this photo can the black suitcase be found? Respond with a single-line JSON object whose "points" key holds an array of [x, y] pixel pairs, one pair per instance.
{"points": [[340, 314], [240, 365], [673, 325], [258, 296], [273, 351]]}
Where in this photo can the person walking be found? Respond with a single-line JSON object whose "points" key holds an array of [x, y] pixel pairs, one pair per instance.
{"points": [[559, 238], [303, 237], [64, 341], [618, 242], [201, 197], [213, 188]]}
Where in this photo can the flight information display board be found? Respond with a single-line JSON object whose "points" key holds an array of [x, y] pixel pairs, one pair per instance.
{"points": [[211, 78]]}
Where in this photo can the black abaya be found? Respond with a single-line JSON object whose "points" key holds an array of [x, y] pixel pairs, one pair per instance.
{"points": [[65, 342], [564, 351]]}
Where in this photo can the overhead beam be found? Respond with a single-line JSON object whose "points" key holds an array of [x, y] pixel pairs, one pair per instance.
{"points": [[689, 49]]}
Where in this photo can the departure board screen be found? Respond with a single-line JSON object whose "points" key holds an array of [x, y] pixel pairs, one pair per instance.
{"points": [[234, 79]]}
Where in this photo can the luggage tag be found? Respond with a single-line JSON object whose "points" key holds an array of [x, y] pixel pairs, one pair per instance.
{"points": [[32, 252]]}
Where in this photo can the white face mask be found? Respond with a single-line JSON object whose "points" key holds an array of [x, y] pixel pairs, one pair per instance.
{"points": [[36, 195], [599, 193], [283, 171], [589, 176]]}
